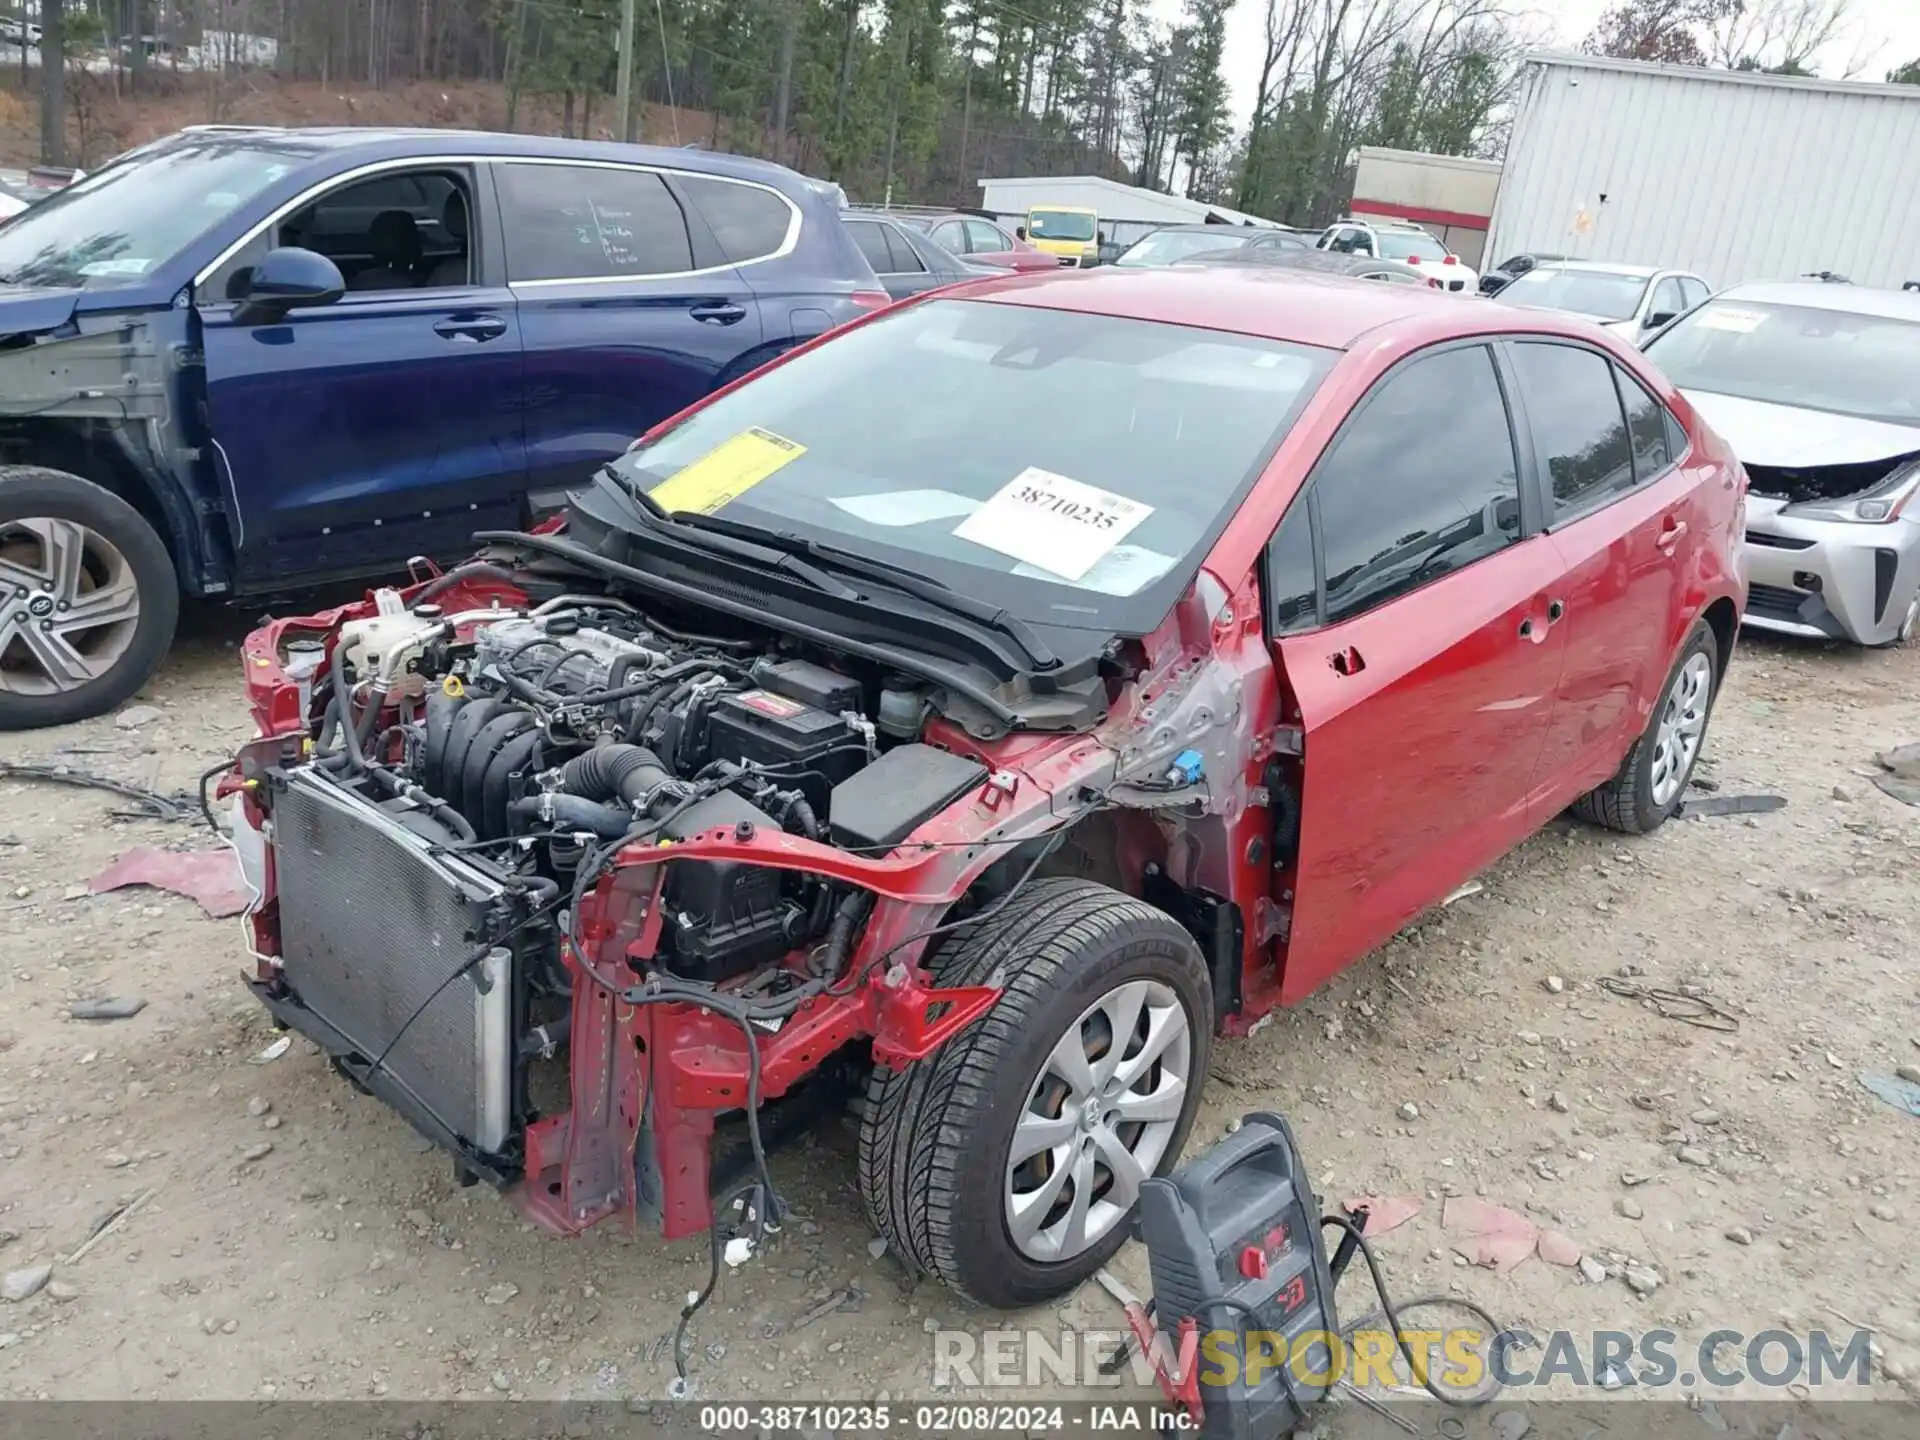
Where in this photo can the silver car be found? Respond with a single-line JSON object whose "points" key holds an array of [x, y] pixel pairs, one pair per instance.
{"points": [[1816, 386], [1633, 301]]}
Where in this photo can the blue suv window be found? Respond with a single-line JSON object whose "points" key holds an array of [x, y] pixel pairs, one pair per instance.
{"points": [[581, 222], [750, 223]]}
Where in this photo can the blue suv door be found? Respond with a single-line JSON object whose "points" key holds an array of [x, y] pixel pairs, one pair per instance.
{"points": [[629, 309], [387, 424]]}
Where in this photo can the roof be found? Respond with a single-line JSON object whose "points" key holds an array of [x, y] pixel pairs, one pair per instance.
{"points": [[1430, 160], [1830, 295], [1701, 74], [1644, 272], [382, 142], [1277, 303], [1199, 209]]}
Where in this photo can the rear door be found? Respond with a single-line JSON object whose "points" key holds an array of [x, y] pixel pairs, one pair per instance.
{"points": [[1618, 508], [901, 269], [1407, 589], [628, 313], [385, 425]]}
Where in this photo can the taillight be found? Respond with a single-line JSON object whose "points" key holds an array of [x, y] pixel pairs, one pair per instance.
{"points": [[1451, 260], [1413, 259], [871, 299]]}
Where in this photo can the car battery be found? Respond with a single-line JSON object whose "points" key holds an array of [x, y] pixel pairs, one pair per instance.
{"points": [[804, 748], [1240, 1271]]}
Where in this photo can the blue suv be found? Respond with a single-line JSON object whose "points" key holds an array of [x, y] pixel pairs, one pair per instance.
{"points": [[244, 360]]}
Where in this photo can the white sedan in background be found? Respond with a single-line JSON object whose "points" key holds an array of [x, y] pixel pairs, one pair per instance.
{"points": [[1816, 386], [1633, 301]]}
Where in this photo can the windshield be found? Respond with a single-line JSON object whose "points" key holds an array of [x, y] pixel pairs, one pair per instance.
{"points": [[1060, 225], [1171, 245], [1602, 294], [1867, 366], [1400, 245], [121, 223], [1069, 467]]}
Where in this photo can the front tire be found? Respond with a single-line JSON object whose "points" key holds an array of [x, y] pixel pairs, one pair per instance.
{"points": [[1647, 790], [88, 598], [1008, 1164]]}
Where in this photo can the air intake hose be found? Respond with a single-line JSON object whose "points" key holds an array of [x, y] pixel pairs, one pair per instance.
{"points": [[624, 772]]}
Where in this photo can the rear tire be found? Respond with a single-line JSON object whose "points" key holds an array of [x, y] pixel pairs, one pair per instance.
{"points": [[1652, 781], [937, 1169], [88, 598]]}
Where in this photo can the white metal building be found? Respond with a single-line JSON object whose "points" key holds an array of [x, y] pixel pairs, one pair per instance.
{"points": [[1735, 175], [1108, 199]]}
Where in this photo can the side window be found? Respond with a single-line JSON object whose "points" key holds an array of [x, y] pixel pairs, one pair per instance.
{"points": [[1424, 482], [984, 239], [952, 236], [1578, 428], [1696, 290], [1292, 601], [871, 237], [1668, 298], [579, 222], [1646, 427], [906, 260], [750, 223]]}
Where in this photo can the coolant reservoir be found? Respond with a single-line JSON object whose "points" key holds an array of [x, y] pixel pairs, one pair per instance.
{"points": [[381, 644]]}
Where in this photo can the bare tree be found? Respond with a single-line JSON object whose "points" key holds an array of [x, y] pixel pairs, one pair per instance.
{"points": [[1779, 35]]}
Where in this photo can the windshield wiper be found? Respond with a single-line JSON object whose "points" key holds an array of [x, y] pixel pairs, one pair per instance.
{"points": [[922, 587], [716, 541]]}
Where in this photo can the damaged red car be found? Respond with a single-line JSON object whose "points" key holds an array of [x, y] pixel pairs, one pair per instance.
{"points": [[969, 717]]}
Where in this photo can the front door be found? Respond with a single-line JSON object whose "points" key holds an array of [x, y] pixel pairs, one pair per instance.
{"points": [[1417, 649], [358, 434], [1618, 508], [626, 321]]}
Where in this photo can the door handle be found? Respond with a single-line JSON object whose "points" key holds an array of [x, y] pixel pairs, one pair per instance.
{"points": [[473, 329], [719, 312], [1670, 534]]}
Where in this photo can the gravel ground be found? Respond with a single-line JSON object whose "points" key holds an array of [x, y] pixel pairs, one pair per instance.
{"points": [[297, 1240]]}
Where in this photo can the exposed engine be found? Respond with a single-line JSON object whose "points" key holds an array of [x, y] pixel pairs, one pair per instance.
{"points": [[581, 725]]}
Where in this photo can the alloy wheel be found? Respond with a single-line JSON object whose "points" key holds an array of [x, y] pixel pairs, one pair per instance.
{"points": [[1098, 1120], [1683, 722], [69, 605]]}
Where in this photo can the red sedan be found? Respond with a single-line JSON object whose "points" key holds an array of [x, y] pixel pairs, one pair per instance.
{"points": [[983, 241], [990, 702]]}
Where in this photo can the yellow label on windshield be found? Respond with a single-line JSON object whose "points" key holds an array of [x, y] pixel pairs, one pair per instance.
{"points": [[726, 472]]}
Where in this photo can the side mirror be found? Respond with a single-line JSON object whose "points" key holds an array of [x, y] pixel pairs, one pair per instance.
{"points": [[1661, 317], [1020, 232], [285, 279]]}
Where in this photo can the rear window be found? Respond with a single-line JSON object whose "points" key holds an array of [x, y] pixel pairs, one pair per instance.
{"points": [[1171, 245], [925, 437], [1600, 294], [581, 222], [750, 223]]}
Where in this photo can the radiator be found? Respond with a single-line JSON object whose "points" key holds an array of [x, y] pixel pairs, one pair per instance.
{"points": [[371, 920]]}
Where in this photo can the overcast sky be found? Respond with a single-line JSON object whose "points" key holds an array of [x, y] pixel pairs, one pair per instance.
{"points": [[1882, 34]]}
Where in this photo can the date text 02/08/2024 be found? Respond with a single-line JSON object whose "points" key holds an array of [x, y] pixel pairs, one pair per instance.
{"points": [[942, 1418]]}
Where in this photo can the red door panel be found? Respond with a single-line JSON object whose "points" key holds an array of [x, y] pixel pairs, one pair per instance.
{"points": [[1621, 588], [1423, 720]]}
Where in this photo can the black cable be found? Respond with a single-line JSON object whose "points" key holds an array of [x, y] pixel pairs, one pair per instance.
{"points": [[465, 965], [206, 805], [1391, 1312]]}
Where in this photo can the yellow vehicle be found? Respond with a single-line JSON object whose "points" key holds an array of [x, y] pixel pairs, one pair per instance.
{"points": [[1067, 231]]}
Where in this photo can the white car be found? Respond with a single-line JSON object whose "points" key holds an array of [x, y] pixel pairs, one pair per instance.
{"points": [[1633, 301], [1816, 386], [1409, 244]]}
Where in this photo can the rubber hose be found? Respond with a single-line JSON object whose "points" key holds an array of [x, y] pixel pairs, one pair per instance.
{"points": [[343, 697], [624, 771], [472, 570], [575, 812], [517, 756]]}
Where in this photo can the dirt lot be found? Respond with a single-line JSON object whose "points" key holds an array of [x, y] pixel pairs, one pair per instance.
{"points": [[346, 1262]]}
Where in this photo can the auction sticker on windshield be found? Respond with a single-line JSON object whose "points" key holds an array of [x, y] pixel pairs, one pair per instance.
{"points": [[1722, 317], [726, 472], [1062, 526]]}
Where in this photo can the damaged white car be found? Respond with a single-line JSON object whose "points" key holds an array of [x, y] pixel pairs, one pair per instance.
{"points": [[1816, 387]]}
